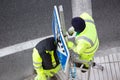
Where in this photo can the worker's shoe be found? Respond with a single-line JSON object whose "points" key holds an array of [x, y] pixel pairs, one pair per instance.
{"points": [[84, 68]]}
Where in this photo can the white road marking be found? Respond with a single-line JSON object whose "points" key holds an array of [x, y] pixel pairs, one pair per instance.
{"points": [[20, 46]]}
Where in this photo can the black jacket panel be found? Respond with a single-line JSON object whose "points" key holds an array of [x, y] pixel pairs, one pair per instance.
{"points": [[42, 46]]}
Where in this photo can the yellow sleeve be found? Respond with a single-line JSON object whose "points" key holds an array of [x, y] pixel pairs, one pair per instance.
{"points": [[70, 44], [37, 62], [80, 47]]}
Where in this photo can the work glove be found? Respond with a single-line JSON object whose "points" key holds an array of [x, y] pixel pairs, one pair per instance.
{"points": [[50, 73], [71, 31], [40, 77]]}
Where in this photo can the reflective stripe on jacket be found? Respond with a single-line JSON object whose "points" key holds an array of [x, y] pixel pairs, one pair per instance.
{"points": [[87, 41], [37, 62]]}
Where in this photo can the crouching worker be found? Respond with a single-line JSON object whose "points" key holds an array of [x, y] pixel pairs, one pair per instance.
{"points": [[86, 39], [45, 60]]}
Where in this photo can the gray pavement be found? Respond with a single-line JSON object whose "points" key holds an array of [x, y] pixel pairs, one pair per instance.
{"points": [[23, 20], [106, 15], [20, 21], [17, 66]]}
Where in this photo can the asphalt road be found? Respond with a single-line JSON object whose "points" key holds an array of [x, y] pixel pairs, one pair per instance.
{"points": [[29, 19], [106, 15], [23, 20], [20, 21]]}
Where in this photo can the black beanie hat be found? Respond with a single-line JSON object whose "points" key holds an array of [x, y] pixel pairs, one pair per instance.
{"points": [[78, 24]]}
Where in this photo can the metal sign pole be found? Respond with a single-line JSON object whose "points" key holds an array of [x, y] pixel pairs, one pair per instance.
{"points": [[62, 21]]}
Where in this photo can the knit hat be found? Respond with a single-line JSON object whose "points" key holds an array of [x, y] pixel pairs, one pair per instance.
{"points": [[78, 24]]}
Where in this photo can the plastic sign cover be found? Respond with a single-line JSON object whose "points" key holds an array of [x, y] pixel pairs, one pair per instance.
{"points": [[62, 50]]}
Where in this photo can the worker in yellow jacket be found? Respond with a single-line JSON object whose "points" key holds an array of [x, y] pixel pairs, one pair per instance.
{"points": [[45, 60], [86, 38]]}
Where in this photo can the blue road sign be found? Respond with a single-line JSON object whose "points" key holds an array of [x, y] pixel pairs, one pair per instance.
{"points": [[62, 50]]}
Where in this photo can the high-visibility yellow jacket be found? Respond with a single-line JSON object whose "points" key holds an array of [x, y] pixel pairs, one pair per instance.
{"points": [[86, 43], [44, 57]]}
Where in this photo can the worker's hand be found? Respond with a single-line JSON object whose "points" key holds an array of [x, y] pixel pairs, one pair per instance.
{"points": [[51, 72], [55, 70], [70, 44], [40, 77], [71, 31]]}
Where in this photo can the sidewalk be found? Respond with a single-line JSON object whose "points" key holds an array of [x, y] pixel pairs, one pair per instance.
{"points": [[111, 64]]}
